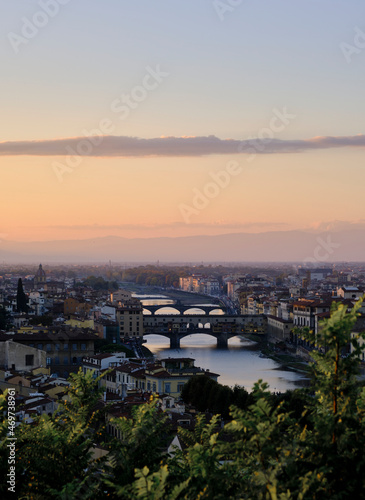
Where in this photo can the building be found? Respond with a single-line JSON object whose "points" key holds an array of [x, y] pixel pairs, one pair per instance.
{"points": [[200, 284], [77, 322], [39, 302], [19, 357], [40, 278], [186, 283], [120, 296], [305, 310], [165, 377], [278, 329], [99, 362], [130, 319], [350, 292], [72, 306], [172, 375], [359, 335], [314, 274], [232, 287], [65, 348]]}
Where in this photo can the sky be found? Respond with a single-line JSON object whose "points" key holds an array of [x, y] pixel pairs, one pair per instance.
{"points": [[171, 118]]}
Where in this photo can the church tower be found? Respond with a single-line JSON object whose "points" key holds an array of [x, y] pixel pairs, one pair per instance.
{"points": [[40, 278]]}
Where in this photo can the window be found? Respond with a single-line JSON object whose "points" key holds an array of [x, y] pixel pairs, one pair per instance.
{"points": [[74, 347], [65, 360], [57, 347], [183, 423], [65, 347], [57, 360], [83, 347], [180, 387], [74, 360], [29, 360], [49, 361], [48, 348], [168, 387], [40, 346], [154, 387]]}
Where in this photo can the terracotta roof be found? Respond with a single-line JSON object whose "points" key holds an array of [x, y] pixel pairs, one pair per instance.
{"points": [[35, 404], [100, 356], [38, 336], [324, 314], [161, 374]]}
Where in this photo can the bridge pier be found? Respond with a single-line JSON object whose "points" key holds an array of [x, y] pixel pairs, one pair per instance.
{"points": [[175, 341], [222, 340]]}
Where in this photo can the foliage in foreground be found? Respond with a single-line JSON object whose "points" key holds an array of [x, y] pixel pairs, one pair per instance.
{"points": [[264, 452]]}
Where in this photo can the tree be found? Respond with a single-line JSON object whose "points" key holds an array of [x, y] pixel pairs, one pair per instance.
{"points": [[4, 319], [144, 437], [21, 298], [53, 455]]}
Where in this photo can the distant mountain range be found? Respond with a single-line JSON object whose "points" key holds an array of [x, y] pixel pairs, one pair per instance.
{"points": [[275, 246]]}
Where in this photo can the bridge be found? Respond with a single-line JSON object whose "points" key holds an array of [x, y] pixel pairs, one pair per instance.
{"points": [[182, 308], [175, 327]]}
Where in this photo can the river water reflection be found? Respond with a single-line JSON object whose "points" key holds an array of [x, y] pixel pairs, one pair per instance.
{"points": [[239, 364]]}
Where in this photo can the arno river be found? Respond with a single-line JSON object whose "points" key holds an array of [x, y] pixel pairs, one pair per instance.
{"points": [[239, 364]]}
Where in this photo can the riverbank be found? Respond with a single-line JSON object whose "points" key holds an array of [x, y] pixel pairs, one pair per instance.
{"points": [[282, 356], [171, 293]]}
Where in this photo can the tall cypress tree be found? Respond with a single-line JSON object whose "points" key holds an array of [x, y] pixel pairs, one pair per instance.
{"points": [[21, 298]]}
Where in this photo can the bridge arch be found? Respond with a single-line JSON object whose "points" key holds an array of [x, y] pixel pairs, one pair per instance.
{"points": [[171, 309], [202, 332], [192, 311], [163, 335], [218, 310]]}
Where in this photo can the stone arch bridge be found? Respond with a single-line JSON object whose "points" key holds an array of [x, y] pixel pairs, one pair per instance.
{"points": [[183, 308], [176, 327]]}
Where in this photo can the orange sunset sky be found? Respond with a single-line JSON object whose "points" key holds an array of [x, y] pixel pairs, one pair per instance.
{"points": [[219, 77]]}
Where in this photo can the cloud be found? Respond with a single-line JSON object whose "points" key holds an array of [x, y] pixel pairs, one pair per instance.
{"points": [[121, 146], [337, 225], [172, 225]]}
